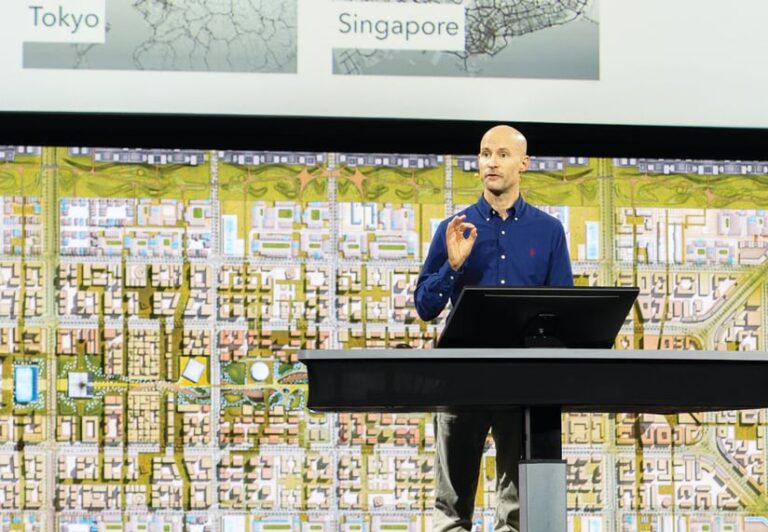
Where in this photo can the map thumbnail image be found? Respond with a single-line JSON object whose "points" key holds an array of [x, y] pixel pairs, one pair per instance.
{"points": [[552, 39], [186, 35], [153, 303]]}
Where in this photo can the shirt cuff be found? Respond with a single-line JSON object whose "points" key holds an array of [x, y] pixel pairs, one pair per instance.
{"points": [[448, 277]]}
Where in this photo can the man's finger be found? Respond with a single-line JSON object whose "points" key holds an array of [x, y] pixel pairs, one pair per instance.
{"points": [[466, 225], [455, 222]]}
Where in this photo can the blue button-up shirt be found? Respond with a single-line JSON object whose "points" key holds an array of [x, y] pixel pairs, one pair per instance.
{"points": [[526, 249]]}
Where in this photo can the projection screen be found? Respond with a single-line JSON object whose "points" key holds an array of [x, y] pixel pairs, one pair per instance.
{"points": [[683, 63]]}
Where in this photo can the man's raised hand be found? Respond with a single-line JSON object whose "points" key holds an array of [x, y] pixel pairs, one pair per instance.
{"points": [[459, 247]]}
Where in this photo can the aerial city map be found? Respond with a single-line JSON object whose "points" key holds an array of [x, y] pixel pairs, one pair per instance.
{"points": [[192, 35], [153, 302], [504, 38]]}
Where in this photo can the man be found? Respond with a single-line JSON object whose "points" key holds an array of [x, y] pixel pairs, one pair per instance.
{"points": [[498, 241]]}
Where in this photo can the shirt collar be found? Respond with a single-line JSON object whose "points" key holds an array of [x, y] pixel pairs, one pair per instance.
{"points": [[517, 209]]}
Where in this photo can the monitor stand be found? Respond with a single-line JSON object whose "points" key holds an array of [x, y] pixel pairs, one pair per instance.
{"points": [[540, 332]]}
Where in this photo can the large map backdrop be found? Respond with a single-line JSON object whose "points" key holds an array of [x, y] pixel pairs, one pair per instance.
{"points": [[152, 304]]}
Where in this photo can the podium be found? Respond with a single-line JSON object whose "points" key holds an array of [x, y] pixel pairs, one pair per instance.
{"points": [[579, 380], [546, 378]]}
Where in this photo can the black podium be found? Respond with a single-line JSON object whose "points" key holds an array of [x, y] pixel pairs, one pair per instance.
{"points": [[502, 347], [575, 380]]}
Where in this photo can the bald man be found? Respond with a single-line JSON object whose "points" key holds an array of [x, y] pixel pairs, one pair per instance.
{"points": [[498, 241]]}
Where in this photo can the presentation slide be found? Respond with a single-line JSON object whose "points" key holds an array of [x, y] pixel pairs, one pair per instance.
{"points": [[626, 62]]}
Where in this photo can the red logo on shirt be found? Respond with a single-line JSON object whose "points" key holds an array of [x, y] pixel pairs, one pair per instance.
{"points": [[532, 252]]}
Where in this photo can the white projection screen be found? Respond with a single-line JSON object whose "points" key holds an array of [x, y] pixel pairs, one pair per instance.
{"points": [[693, 63]]}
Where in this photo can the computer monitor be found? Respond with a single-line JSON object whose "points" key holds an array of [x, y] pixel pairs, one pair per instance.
{"points": [[577, 317]]}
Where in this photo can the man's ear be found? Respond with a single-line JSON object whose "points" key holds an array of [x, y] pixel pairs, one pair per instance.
{"points": [[524, 163]]}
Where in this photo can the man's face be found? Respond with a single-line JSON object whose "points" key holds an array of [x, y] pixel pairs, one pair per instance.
{"points": [[501, 159]]}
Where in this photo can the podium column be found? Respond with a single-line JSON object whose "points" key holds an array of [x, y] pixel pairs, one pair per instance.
{"points": [[542, 472]]}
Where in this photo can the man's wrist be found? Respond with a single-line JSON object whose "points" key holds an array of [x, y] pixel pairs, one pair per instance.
{"points": [[450, 274], [456, 267]]}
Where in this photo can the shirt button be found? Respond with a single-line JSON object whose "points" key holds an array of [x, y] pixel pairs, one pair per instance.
{"points": [[503, 232], [451, 277], [503, 257], [441, 294], [487, 219], [503, 281], [515, 218]]}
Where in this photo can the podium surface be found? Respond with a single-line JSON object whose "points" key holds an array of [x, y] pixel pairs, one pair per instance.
{"points": [[589, 380]]}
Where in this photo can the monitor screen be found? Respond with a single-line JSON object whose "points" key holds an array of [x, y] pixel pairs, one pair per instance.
{"points": [[655, 62], [573, 317]]}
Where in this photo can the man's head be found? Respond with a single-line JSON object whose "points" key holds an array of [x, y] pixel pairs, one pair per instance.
{"points": [[503, 155]]}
